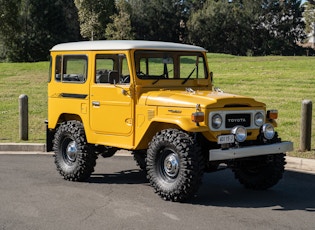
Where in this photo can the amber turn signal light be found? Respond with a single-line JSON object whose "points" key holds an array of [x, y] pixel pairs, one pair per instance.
{"points": [[198, 117], [272, 114]]}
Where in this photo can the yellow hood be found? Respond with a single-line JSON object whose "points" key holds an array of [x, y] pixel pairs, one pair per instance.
{"points": [[207, 99]]}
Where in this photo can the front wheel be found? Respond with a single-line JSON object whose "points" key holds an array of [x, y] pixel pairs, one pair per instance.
{"points": [[140, 157], [260, 173], [174, 165], [74, 158]]}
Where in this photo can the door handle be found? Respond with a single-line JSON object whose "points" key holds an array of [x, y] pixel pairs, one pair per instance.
{"points": [[96, 103]]}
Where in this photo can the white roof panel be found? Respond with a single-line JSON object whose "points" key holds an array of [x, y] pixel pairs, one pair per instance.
{"points": [[124, 45]]}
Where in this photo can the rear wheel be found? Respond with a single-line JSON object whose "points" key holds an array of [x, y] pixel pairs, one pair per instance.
{"points": [[261, 172], [74, 158], [174, 165]]}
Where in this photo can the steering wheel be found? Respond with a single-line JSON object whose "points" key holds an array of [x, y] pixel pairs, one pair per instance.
{"points": [[126, 79]]}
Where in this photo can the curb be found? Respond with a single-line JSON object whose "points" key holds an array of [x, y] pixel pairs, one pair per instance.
{"points": [[22, 147], [293, 163], [300, 164]]}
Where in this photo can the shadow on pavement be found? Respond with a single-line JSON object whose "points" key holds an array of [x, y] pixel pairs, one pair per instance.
{"points": [[296, 191], [134, 176]]}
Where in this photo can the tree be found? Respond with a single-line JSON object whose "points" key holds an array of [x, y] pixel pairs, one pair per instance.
{"points": [[155, 19], [309, 16], [9, 24], [243, 27], [30, 28], [52, 22], [283, 24], [94, 15], [224, 26], [120, 28]]}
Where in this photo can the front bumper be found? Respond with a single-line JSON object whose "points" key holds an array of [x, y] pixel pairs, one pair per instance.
{"points": [[249, 151]]}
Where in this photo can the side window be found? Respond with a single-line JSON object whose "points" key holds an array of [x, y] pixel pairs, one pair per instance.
{"points": [[103, 67], [58, 70], [49, 73], [111, 69], [74, 68], [124, 66], [71, 68]]}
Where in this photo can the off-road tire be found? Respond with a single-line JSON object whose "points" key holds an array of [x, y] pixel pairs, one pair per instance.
{"points": [[174, 165], [74, 158], [140, 157], [260, 173]]}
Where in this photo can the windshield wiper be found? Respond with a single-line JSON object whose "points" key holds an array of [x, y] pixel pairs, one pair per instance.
{"points": [[163, 76], [191, 73], [156, 81]]}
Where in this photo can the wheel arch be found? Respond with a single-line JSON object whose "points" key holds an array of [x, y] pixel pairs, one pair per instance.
{"points": [[154, 128], [54, 124], [51, 127], [159, 123], [69, 116]]}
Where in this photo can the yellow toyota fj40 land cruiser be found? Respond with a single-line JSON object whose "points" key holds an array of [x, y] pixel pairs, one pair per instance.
{"points": [[156, 99]]}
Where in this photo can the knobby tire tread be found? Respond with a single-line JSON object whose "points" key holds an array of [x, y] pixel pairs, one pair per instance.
{"points": [[191, 165], [268, 176], [85, 161]]}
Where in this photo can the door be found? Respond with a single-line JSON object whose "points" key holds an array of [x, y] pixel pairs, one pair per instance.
{"points": [[111, 103]]}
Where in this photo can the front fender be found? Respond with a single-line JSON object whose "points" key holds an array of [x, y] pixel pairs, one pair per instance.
{"points": [[183, 123]]}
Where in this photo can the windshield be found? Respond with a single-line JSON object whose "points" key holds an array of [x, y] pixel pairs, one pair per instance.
{"points": [[170, 65]]}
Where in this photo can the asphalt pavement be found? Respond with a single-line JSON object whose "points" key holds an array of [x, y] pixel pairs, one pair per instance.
{"points": [[293, 163], [33, 196]]}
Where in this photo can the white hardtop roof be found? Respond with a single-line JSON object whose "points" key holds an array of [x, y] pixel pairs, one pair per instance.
{"points": [[124, 45]]}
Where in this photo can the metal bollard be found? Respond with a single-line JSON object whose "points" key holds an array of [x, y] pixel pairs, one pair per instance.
{"points": [[23, 108], [306, 125]]}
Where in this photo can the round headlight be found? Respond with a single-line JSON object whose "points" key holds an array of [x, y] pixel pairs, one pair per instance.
{"points": [[268, 131], [259, 119], [240, 133], [216, 121]]}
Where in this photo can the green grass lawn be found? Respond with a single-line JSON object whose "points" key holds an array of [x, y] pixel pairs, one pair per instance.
{"points": [[17, 79], [281, 82]]}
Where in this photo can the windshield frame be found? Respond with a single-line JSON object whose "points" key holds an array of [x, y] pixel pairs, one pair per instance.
{"points": [[145, 59]]}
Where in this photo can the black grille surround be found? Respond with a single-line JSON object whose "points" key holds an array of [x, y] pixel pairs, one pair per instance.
{"points": [[232, 120]]}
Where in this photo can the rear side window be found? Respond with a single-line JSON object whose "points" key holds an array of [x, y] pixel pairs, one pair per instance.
{"points": [[72, 68], [49, 73]]}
